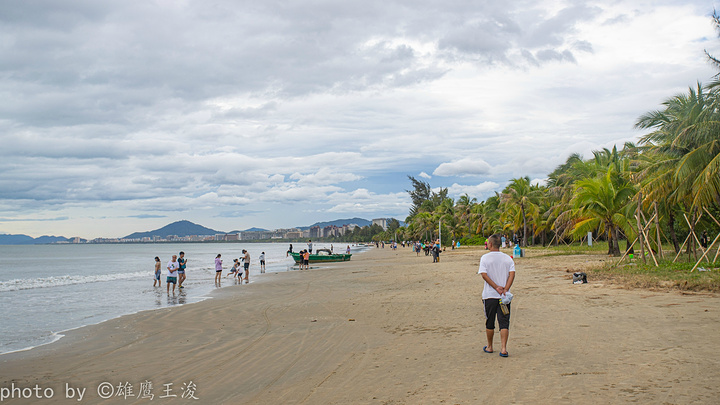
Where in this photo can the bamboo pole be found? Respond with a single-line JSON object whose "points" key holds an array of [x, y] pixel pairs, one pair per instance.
{"points": [[626, 252], [640, 235], [657, 228], [705, 253], [646, 232], [630, 247], [648, 243], [681, 248], [717, 222], [692, 232]]}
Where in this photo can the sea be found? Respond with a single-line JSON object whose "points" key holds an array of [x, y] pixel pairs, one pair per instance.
{"points": [[46, 290]]}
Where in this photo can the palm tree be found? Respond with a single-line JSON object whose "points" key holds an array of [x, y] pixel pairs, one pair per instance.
{"points": [[519, 192], [599, 204], [464, 209], [424, 222], [686, 146]]}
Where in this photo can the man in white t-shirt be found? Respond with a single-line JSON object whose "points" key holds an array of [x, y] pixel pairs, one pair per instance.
{"points": [[498, 271], [172, 276]]}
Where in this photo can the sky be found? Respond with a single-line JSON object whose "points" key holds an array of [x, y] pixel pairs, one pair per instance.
{"points": [[124, 116]]}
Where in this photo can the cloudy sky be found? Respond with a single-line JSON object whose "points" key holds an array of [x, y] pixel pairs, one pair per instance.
{"points": [[123, 116]]}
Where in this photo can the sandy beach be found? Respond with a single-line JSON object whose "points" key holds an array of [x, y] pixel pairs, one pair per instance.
{"points": [[392, 328]]}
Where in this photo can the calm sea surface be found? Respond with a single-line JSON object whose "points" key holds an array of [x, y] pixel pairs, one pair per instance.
{"points": [[47, 289]]}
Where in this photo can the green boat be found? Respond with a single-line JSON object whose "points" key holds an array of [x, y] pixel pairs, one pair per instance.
{"points": [[323, 256]]}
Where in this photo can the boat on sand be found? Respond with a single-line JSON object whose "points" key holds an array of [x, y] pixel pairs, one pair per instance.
{"points": [[323, 256]]}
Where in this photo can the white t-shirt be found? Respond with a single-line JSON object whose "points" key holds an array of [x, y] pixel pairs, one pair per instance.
{"points": [[262, 257], [173, 268], [498, 266]]}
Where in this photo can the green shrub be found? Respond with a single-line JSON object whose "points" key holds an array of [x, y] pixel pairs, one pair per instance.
{"points": [[475, 240]]}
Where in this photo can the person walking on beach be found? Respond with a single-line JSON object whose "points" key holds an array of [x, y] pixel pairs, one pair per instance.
{"points": [[246, 265], [498, 271], [158, 272], [262, 262], [172, 268], [218, 268], [181, 271], [310, 246], [347, 251]]}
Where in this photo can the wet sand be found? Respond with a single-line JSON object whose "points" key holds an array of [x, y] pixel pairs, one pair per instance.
{"points": [[392, 328]]}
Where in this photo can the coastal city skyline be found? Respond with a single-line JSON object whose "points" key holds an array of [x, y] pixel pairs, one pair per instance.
{"points": [[132, 115]]}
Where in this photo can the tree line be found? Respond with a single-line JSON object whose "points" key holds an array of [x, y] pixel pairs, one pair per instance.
{"points": [[673, 169]]}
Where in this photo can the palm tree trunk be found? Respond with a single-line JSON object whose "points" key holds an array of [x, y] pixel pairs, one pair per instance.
{"points": [[532, 236], [616, 242], [522, 208], [671, 225]]}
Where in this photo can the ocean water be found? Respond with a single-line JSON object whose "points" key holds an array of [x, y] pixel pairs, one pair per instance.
{"points": [[48, 289]]}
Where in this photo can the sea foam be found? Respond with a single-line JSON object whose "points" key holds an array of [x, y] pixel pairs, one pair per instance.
{"points": [[57, 281]]}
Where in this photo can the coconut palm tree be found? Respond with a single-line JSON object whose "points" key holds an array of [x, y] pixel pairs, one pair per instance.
{"points": [[685, 144], [520, 193], [599, 204], [464, 210]]}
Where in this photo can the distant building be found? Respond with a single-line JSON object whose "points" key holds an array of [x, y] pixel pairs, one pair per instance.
{"points": [[256, 235], [382, 222]]}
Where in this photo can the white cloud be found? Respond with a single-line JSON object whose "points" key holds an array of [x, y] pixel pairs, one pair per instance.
{"points": [[287, 113], [479, 191], [463, 167]]}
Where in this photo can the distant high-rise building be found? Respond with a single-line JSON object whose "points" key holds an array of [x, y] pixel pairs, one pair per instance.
{"points": [[382, 222]]}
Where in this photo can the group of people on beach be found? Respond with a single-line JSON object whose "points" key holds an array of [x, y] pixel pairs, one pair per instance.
{"points": [[177, 266], [238, 264], [430, 248], [175, 272]]}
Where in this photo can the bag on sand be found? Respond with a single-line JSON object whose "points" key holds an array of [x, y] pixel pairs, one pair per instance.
{"points": [[579, 278]]}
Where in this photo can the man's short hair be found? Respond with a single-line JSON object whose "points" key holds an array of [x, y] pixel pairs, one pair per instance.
{"points": [[494, 240]]}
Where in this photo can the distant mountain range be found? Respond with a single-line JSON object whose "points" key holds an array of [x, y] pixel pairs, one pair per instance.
{"points": [[179, 228], [6, 239], [339, 222]]}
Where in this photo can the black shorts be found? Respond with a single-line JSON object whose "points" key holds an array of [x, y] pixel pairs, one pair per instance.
{"points": [[247, 266], [492, 310]]}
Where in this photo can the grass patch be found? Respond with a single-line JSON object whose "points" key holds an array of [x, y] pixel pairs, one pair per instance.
{"points": [[668, 276], [572, 249]]}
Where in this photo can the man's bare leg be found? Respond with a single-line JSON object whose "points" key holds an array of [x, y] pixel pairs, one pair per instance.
{"points": [[490, 334], [504, 333]]}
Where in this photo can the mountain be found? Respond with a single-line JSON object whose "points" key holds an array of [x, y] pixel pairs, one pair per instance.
{"points": [[253, 229], [339, 222], [6, 239], [52, 239], [179, 228], [16, 240]]}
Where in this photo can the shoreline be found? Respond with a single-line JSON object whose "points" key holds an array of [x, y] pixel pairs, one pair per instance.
{"points": [[58, 335], [83, 296], [395, 328]]}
